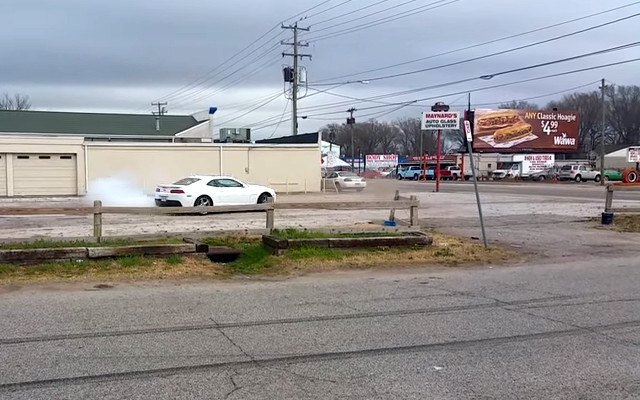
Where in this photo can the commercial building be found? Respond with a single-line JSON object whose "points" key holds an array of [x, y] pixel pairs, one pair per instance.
{"points": [[61, 154]]}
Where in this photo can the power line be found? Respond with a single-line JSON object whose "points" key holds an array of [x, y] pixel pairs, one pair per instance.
{"points": [[203, 78], [489, 76], [395, 17], [351, 12], [483, 43], [281, 118], [253, 109], [493, 54], [497, 86], [362, 17]]}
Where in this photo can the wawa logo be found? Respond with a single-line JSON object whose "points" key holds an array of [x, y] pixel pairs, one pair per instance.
{"points": [[564, 140]]}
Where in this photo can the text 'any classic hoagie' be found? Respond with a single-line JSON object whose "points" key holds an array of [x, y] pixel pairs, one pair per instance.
{"points": [[497, 120], [517, 131]]}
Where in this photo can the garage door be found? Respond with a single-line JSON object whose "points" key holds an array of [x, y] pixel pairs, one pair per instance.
{"points": [[3, 174], [44, 174]]}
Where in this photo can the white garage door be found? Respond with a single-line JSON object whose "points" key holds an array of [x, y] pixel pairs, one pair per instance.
{"points": [[3, 174], [44, 174]]}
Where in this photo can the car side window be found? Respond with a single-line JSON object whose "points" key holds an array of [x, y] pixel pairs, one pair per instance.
{"points": [[333, 175], [583, 168], [229, 183], [213, 183]]}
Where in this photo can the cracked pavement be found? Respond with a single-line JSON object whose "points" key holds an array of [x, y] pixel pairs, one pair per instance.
{"points": [[566, 330]]}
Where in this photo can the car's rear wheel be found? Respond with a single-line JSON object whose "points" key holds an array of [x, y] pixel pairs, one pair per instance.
{"points": [[541, 178], [203, 201], [264, 198], [578, 178], [399, 177], [597, 178], [416, 177]]}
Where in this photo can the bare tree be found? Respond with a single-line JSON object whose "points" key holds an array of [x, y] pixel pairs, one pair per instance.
{"points": [[589, 107], [519, 105], [15, 102], [624, 114], [410, 135]]}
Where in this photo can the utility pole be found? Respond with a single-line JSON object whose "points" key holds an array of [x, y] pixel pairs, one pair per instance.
{"points": [[352, 121], [296, 72], [161, 111], [603, 86]]}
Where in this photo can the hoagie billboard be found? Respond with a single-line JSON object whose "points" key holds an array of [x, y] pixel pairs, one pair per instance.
{"points": [[502, 131]]}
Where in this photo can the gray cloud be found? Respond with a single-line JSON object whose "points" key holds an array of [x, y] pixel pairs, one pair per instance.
{"points": [[121, 55]]}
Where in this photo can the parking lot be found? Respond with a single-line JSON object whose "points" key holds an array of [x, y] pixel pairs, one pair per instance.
{"points": [[524, 214]]}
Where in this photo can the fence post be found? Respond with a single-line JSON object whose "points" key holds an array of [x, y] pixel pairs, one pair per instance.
{"points": [[271, 214], [413, 211], [97, 220], [608, 203], [392, 213]]}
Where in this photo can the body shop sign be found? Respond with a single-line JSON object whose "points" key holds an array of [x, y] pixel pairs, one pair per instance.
{"points": [[520, 130], [633, 154], [375, 161], [433, 121]]}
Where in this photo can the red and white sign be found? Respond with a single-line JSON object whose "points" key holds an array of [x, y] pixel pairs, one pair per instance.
{"points": [[375, 161], [467, 130], [433, 121], [633, 154]]}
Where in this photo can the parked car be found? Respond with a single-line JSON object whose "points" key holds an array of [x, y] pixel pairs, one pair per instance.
{"points": [[411, 172], [346, 180], [545, 174], [387, 172], [455, 172], [211, 190], [369, 174], [613, 175], [579, 173]]}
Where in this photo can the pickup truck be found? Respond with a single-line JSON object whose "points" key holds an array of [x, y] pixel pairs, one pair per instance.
{"points": [[411, 172], [449, 173]]}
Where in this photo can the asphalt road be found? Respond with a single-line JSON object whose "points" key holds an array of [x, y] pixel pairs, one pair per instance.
{"points": [[583, 190], [567, 330]]}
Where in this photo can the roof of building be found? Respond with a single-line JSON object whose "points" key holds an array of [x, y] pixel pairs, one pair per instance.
{"points": [[297, 139], [55, 122]]}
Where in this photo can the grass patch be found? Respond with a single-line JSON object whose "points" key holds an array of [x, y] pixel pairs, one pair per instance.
{"points": [[174, 260], [445, 251], [302, 234], [49, 244]]}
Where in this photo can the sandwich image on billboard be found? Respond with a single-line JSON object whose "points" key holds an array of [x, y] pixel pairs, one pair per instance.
{"points": [[524, 130]]}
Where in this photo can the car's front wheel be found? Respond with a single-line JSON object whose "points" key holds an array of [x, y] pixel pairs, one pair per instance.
{"points": [[264, 198], [541, 178], [597, 178]]}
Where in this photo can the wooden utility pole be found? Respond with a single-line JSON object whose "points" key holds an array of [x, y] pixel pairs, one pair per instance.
{"points": [[296, 71]]}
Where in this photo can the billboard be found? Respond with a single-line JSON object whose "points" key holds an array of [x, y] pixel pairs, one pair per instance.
{"points": [[502, 131]]}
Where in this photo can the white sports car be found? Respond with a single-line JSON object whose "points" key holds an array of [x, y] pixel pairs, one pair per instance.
{"points": [[210, 190]]}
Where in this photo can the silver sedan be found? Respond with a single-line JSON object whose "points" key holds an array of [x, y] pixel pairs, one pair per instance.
{"points": [[346, 180]]}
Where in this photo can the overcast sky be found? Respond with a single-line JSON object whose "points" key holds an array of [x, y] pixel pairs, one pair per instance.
{"points": [[120, 55]]}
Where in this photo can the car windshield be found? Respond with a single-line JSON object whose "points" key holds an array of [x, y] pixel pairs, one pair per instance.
{"points": [[186, 181]]}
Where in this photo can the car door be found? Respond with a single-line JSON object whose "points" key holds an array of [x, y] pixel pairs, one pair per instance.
{"points": [[235, 192], [218, 193]]}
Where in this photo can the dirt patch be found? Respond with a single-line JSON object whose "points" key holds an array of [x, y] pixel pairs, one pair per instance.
{"points": [[622, 223]]}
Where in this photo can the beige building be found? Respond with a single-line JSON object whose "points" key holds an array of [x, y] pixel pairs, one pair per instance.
{"points": [[43, 163]]}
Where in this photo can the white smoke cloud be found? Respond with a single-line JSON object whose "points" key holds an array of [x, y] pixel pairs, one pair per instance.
{"points": [[118, 191]]}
